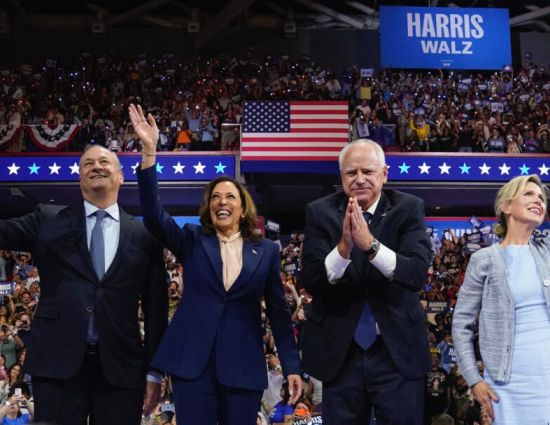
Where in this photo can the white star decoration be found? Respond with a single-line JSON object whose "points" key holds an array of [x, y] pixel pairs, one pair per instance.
{"points": [[134, 167], [424, 168], [13, 169], [444, 168], [504, 169], [484, 169], [544, 170], [54, 169], [199, 168], [74, 169], [178, 168]]}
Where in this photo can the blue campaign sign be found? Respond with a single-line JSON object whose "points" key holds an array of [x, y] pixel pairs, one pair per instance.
{"points": [[448, 38]]}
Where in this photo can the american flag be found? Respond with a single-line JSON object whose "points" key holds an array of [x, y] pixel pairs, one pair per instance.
{"points": [[289, 131]]}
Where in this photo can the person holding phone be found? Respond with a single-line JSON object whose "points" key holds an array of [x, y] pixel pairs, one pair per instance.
{"points": [[16, 410]]}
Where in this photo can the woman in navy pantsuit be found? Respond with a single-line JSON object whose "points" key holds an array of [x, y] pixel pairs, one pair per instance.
{"points": [[213, 347]]}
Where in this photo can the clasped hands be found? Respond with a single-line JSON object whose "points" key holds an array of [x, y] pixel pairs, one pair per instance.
{"points": [[355, 230]]}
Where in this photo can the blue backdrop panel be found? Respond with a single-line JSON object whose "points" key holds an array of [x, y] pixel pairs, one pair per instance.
{"points": [[451, 38]]}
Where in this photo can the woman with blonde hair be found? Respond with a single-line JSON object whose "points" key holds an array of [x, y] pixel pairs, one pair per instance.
{"points": [[507, 290]]}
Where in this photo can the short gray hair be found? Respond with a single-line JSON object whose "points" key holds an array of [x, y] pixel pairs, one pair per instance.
{"points": [[115, 156], [362, 142]]}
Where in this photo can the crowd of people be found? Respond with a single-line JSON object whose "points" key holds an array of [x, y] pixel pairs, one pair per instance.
{"points": [[199, 104]]}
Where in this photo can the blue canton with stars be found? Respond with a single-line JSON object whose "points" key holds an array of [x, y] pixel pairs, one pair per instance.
{"points": [[173, 167], [266, 117]]}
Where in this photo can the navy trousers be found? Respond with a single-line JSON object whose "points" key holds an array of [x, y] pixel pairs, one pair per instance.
{"points": [[206, 401], [370, 381]]}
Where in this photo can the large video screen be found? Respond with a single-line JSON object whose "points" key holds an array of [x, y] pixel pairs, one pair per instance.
{"points": [[447, 38]]}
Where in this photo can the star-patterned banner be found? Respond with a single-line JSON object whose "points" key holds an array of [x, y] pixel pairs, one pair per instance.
{"points": [[182, 167], [429, 167], [173, 167], [470, 168]]}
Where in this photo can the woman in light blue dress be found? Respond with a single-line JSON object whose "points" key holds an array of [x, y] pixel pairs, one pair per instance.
{"points": [[507, 288]]}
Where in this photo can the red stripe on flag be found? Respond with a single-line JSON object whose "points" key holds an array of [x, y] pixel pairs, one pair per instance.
{"points": [[318, 112], [317, 121], [297, 139], [317, 102], [300, 149], [317, 130]]}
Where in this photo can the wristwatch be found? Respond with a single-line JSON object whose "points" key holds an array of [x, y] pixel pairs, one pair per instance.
{"points": [[373, 249]]}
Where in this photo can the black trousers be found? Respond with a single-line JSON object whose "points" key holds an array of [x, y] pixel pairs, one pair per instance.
{"points": [[370, 379], [86, 395]]}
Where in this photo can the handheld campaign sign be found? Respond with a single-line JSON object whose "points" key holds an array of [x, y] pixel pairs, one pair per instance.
{"points": [[450, 38]]}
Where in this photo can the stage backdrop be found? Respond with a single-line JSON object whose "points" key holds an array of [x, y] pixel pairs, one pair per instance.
{"points": [[451, 38]]}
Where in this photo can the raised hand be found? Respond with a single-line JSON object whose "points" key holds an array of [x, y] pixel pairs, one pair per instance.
{"points": [[146, 129]]}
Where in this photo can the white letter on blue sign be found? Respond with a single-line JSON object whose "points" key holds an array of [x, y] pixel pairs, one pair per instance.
{"points": [[477, 31], [413, 25]]}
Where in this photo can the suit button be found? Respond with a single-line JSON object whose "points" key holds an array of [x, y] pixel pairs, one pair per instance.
{"points": [[546, 282], [89, 309]]}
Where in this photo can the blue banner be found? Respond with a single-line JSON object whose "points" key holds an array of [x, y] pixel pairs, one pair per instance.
{"points": [[449, 38], [64, 168], [428, 167]]}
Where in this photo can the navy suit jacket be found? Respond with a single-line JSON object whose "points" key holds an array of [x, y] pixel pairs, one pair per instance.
{"points": [[71, 291], [332, 318], [209, 318]]}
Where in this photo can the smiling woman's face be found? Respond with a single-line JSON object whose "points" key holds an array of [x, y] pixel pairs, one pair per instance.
{"points": [[528, 207], [226, 209]]}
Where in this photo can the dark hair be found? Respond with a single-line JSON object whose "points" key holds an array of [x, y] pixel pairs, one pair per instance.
{"points": [[19, 375], [286, 395], [247, 224]]}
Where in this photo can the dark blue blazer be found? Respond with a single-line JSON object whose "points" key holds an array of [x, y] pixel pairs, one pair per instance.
{"points": [[71, 291], [211, 318], [328, 332]]}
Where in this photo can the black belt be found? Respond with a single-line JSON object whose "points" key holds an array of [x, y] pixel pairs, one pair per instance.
{"points": [[92, 349]]}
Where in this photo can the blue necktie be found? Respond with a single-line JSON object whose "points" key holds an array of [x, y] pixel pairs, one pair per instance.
{"points": [[365, 333], [97, 250], [97, 245]]}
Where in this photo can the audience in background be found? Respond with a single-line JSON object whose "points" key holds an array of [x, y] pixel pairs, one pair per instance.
{"points": [[198, 104]]}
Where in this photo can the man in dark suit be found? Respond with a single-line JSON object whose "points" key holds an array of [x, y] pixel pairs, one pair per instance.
{"points": [[366, 256], [96, 264]]}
